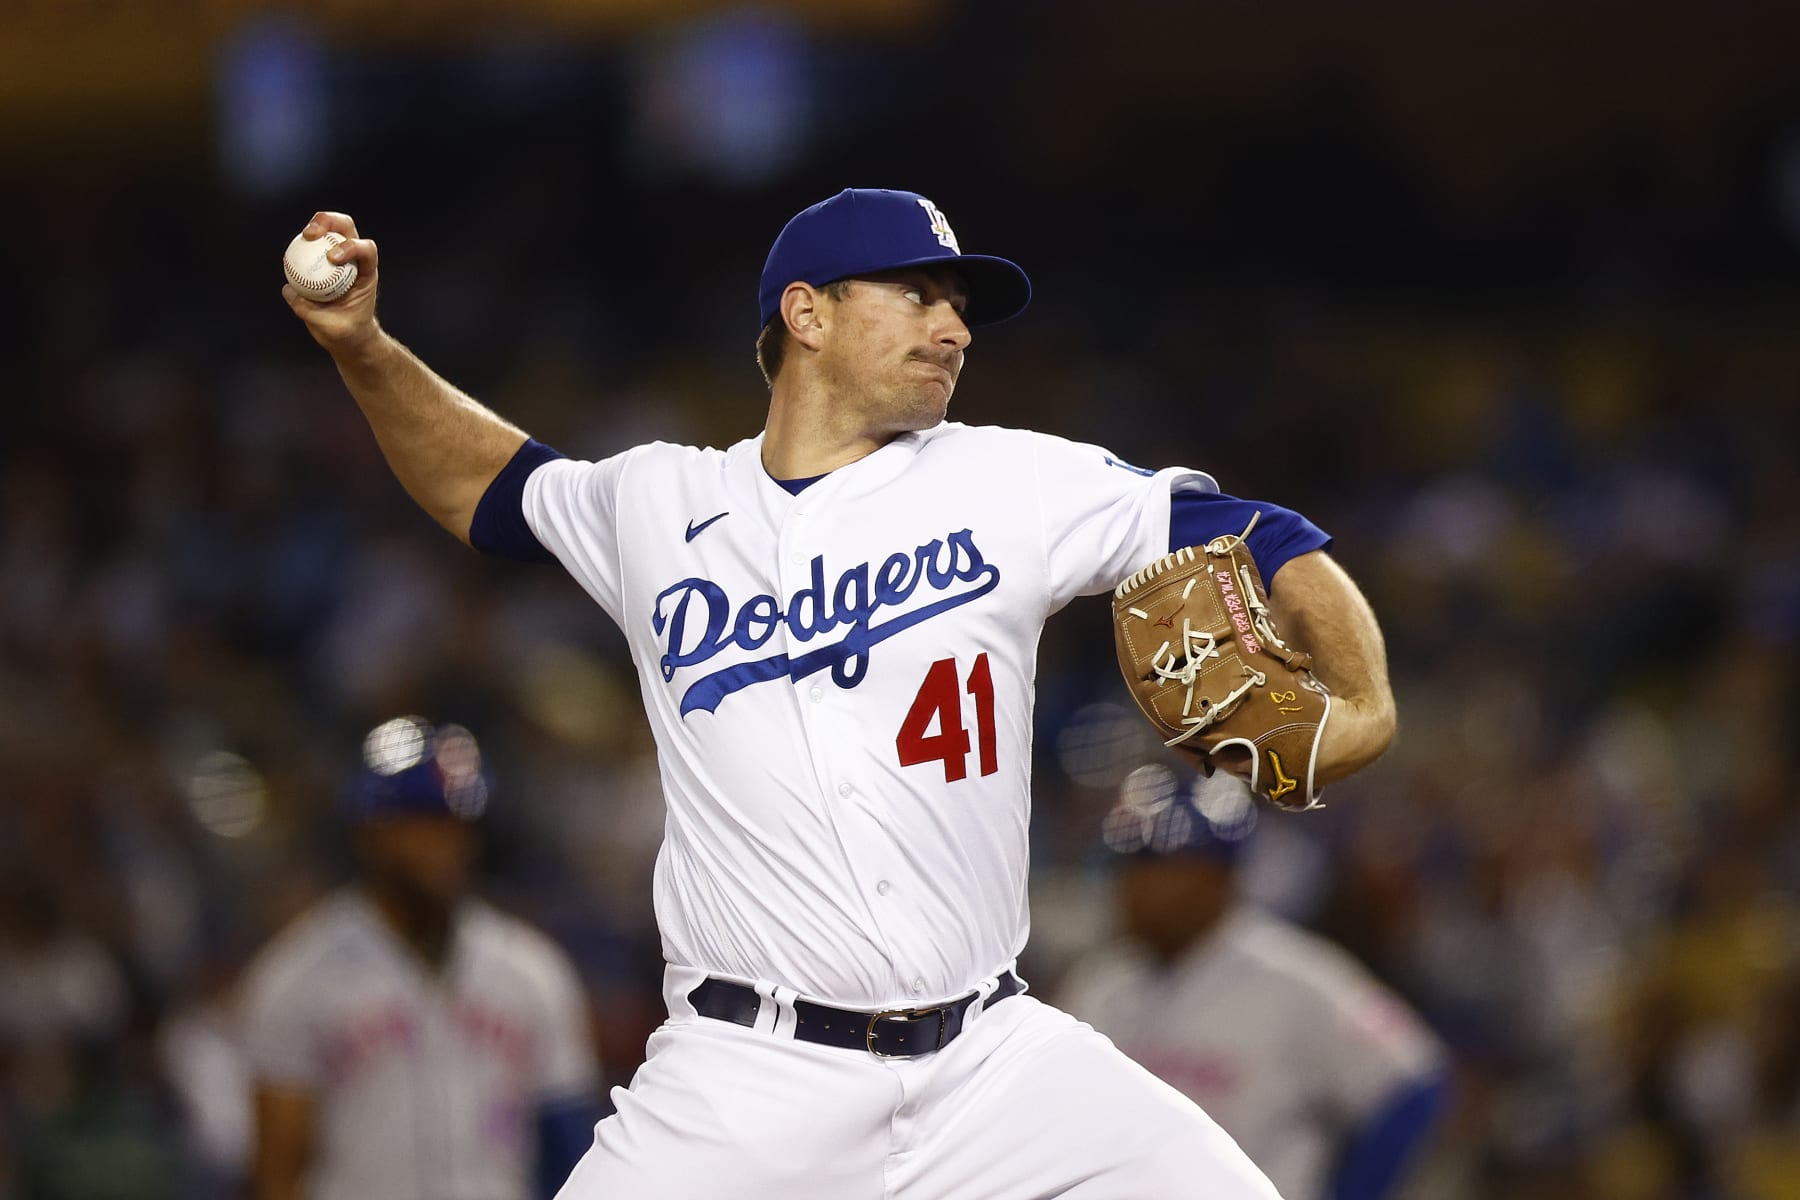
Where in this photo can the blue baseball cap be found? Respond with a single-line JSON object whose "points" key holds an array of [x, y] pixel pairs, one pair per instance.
{"points": [[863, 230], [1164, 812], [411, 767]]}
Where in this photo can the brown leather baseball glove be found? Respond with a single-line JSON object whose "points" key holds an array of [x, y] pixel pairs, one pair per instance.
{"points": [[1204, 663]]}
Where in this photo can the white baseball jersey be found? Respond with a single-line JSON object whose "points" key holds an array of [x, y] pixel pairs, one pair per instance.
{"points": [[1283, 1038], [427, 1085], [841, 686]]}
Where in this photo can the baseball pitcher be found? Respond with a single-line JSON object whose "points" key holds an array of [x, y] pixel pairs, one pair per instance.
{"points": [[834, 625]]}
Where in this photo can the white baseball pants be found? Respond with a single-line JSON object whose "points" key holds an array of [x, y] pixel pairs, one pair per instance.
{"points": [[1027, 1104]]}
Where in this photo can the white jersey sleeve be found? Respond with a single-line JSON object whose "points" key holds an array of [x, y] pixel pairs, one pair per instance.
{"points": [[280, 1033], [1365, 1041], [573, 509], [566, 1065], [1103, 517]]}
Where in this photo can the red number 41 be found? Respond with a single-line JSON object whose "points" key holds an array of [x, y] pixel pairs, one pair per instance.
{"points": [[940, 699]]}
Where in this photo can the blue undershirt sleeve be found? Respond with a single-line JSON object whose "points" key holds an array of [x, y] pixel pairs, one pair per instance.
{"points": [[499, 526], [1371, 1164], [1280, 534], [565, 1130]]}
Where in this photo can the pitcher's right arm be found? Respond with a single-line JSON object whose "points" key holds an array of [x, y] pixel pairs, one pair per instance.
{"points": [[443, 446]]}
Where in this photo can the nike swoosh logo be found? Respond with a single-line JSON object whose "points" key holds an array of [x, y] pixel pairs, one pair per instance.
{"points": [[694, 531]]}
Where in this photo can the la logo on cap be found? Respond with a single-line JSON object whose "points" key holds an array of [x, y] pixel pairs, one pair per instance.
{"points": [[940, 226]]}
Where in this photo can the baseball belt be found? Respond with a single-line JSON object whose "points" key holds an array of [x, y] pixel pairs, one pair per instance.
{"points": [[892, 1033]]}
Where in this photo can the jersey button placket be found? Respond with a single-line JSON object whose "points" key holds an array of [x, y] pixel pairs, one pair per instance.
{"points": [[792, 550]]}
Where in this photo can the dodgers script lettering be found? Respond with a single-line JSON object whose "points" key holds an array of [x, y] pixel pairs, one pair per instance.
{"points": [[697, 620]]}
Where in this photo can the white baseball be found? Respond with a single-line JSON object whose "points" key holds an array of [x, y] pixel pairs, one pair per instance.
{"points": [[312, 274]]}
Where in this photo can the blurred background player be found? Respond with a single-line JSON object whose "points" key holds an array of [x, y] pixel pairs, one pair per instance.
{"points": [[1325, 1078], [406, 1039]]}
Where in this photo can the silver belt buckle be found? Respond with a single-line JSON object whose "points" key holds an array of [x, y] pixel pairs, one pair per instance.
{"points": [[904, 1014]]}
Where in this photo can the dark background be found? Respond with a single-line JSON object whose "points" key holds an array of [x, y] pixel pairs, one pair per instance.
{"points": [[1503, 296]]}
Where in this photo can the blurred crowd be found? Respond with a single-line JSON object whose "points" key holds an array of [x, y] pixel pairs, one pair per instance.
{"points": [[1574, 505]]}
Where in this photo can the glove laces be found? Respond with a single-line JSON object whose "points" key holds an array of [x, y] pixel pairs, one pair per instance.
{"points": [[1180, 662]]}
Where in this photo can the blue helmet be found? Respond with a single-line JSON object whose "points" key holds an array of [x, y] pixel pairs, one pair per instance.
{"points": [[1160, 811], [413, 768]]}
